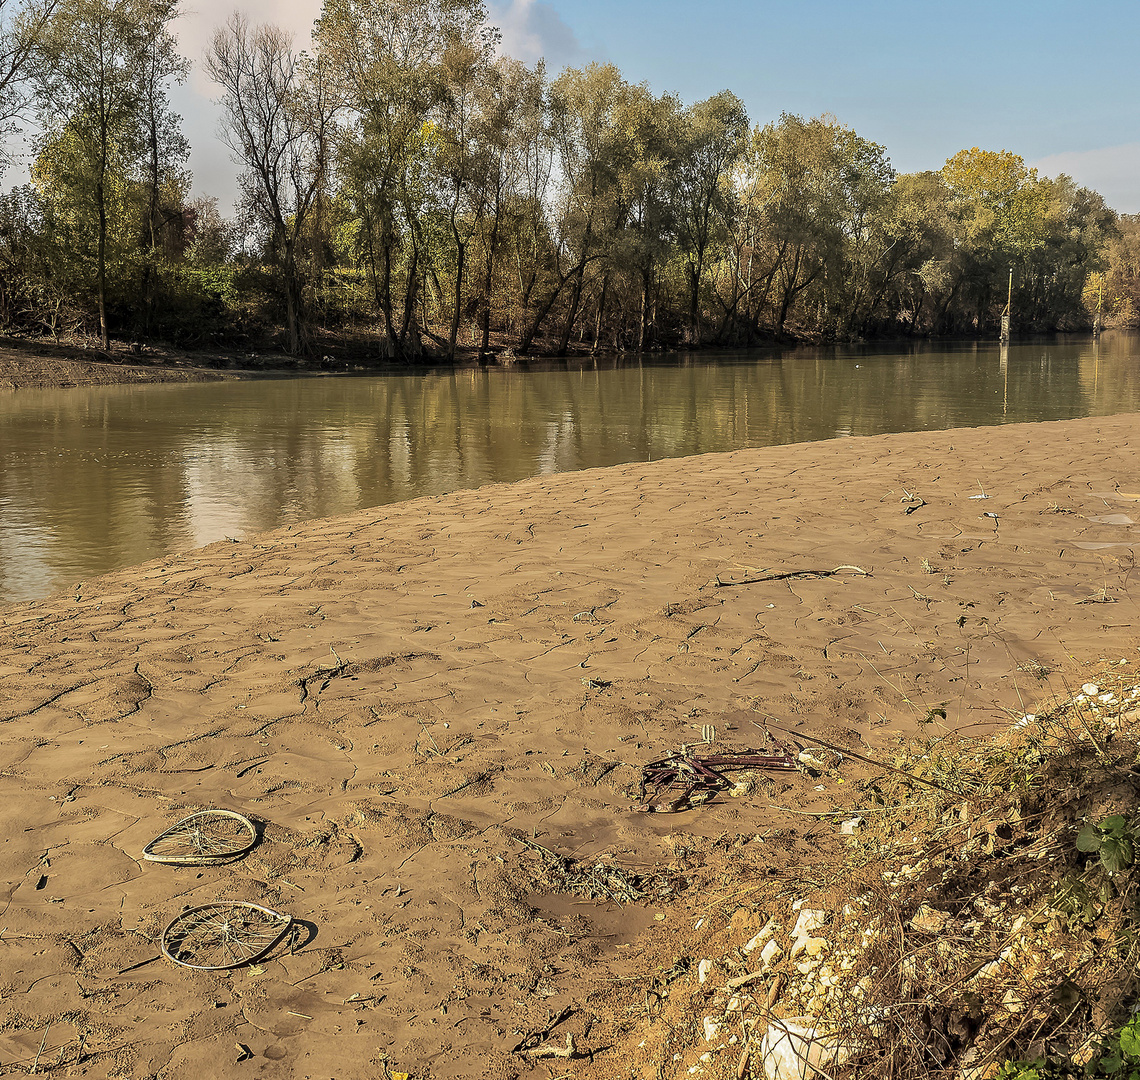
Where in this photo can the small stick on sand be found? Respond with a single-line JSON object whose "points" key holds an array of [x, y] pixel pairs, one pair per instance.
{"points": [[554, 1051], [43, 1043], [743, 980]]}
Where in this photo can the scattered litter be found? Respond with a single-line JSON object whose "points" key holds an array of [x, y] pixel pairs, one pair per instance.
{"points": [[597, 684], [600, 881], [917, 501], [681, 781], [796, 1048], [216, 937], [204, 838], [570, 1051], [769, 928]]}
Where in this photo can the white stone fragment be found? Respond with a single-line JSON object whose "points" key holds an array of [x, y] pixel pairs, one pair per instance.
{"points": [[1091, 689], [770, 954], [769, 928], [809, 919], [813, 946], [712, 1028], [703, 969], [928, 920]]}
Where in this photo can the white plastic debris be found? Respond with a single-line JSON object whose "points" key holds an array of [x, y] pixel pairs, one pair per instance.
{"points": [[712, 1028], [1090, 689], [703, 969], [848, 827], [794, 1049]]}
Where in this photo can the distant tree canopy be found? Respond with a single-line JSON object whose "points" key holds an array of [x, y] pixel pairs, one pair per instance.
{"points": [[406, 187]]}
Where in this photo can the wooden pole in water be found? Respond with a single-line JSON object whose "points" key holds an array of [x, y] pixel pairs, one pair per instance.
{"points": [[1008, 311]]}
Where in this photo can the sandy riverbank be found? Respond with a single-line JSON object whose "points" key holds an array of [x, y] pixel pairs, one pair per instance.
{"points": [[21, 370], [402, 694]]}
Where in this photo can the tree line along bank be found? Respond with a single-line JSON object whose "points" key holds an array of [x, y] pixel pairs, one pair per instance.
{"points": [[406, 187]]}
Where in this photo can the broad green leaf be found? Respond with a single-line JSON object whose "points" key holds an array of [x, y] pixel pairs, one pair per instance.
{"points": [[1115, 854], [1089, 838], [1117, 824], [1130, 1038]]}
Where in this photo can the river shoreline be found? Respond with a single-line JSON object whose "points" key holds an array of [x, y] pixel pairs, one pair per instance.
{"points": [[405, 694], [34, 364]]}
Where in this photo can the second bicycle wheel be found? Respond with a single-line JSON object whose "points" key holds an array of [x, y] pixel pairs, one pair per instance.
{"points": [[209, 836], [223, 935]]}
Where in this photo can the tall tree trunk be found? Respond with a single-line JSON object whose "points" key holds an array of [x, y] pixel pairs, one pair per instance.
{"points": [[643, 329], [460, 258], [101, 264], [526, 339], [694, 293], [572, 314], [410, 345], [390, 347], [789, 292], [601, 312], [292, 300], [492, 244]]}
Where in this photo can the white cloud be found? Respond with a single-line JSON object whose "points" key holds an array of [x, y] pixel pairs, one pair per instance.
{"points": [[533, 30], [1114, 171]]}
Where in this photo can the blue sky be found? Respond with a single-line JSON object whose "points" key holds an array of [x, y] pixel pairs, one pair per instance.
{"points": [[1052, 80]]}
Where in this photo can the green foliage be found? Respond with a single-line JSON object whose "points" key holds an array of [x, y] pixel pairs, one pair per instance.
{"points": [[402, 177], [1116, 1058], [1113, 841]]}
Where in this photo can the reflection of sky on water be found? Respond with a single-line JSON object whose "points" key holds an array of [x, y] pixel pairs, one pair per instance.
{"points": [[92, 479], [24, 568]]}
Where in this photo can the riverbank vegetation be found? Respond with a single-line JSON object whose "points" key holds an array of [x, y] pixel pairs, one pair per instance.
{"points": [[408, 189], [971, 912]]}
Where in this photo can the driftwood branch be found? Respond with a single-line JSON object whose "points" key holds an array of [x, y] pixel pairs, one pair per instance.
{"points": [[785, 575], [527, 1045], [869, 761]]}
